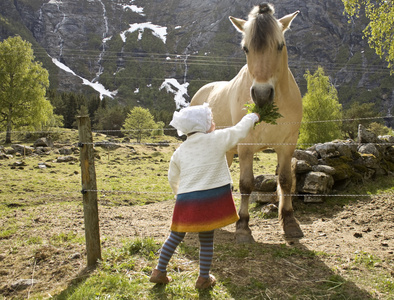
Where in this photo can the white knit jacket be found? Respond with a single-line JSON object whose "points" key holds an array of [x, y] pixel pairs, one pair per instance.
{"points": [[200, 162]]}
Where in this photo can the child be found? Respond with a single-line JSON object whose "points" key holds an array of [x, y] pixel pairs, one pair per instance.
{"points": [[200, 177]]}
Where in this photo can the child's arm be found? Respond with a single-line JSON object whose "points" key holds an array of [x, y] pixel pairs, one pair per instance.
{"points": [[234, 134]]}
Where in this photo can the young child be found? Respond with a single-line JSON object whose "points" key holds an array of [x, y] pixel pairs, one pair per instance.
{"points": [[200, 177]]}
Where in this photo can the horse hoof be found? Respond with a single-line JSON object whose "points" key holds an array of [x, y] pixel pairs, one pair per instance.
{"points": [[293, 231], [244, 239]]}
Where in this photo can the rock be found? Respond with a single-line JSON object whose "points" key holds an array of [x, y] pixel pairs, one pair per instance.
{"points": [[270, 210], [19, 164], [265, 183], [23, 150], [306, 156], [365, 136], [65, 151], [317, 183], [43, 150], [327, 150], [44, 165], [347, 149], [325, 169], [43, 142], [369, 149], [261, 197], [75, 256], [9, 151], [386, 139], [5, 156], [22, 284], [309, 198], [62, 159], [108, 145], [302, 167]]}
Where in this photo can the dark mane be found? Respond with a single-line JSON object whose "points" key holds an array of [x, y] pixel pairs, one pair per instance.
{"points": [[265, 28]]}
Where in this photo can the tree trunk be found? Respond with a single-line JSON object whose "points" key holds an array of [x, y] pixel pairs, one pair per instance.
{"points": [[8, 133]]}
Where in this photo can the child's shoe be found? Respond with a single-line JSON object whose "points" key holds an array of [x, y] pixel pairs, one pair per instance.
{"points": [[205, 283], [159, 277]]}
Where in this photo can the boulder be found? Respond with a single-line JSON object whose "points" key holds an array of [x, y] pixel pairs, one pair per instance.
{"points": [[307, 156], [23, 150], [369, 149], [65, 151], [347, 149], [325, 169], [316, 183], [69, 158], [262, 197], [365, 136], [303, 167], [327, 150], [265, 183], [43, 142]]}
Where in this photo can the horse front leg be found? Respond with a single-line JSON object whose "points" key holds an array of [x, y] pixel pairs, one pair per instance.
{"points": [[289, 223], [243, 234]]}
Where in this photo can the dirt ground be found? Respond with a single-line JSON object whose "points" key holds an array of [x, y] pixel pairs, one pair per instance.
{"points": [[364, 226]]}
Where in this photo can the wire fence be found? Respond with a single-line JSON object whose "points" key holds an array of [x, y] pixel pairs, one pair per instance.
{"points": [[109, 144]]}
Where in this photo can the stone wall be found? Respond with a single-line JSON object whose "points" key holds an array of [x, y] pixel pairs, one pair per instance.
{"points": [[331, 167]]}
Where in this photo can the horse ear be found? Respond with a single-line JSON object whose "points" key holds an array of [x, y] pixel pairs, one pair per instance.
{"points": [[286, 20], [238, 23]]}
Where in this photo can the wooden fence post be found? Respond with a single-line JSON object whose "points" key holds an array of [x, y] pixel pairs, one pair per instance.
{"points": [[89, 191]]}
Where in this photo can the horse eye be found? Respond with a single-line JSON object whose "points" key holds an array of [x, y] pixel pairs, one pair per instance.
{"points": [[280, 46], [246, 49]]}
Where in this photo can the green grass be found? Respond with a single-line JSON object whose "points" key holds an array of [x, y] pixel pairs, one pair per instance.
{"points": [[67, 238], [124, 274], [136, 177]]}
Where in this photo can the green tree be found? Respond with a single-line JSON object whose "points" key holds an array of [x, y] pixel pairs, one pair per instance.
{"points": [[358, 114], [159, 129], [140, 122], [23, 84], [379, 129], [320, 103], [380, 29], [110, 119]]}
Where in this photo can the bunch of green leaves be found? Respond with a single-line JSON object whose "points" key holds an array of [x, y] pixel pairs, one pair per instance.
{"points": [[268, 113]]}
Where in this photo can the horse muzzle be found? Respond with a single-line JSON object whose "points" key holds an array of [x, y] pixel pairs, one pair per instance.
{"points": [[262, 94]]}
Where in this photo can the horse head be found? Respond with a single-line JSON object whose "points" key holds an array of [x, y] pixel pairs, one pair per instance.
{"points": [[265, 48]]}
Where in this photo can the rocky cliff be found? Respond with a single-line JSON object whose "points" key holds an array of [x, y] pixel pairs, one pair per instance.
{"points": [[126, 49]]}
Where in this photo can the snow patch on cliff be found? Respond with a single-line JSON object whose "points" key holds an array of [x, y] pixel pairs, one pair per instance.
{"points": [[158, 31], [171, 85], [95, 85]]}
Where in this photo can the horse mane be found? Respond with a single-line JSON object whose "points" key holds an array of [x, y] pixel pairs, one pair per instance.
{"points": [[264, 30]]}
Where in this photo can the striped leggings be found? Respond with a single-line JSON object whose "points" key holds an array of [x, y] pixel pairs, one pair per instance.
{"points": [[175, 238]]}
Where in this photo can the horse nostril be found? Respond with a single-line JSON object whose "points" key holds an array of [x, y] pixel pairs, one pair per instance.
{"points": [[271, 95], [262, 95], [253, 94]]}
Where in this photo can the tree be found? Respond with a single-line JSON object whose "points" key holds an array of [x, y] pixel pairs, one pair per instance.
{"points": [[380, 29], [140, 122], [358, 114], [111, 119], [23, 84], [379, 129], [320, 103]]}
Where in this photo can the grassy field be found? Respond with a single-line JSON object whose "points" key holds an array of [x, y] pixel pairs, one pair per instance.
{"points": [[41, 233]]}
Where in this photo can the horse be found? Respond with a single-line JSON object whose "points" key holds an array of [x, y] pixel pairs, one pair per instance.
{"points": [[264, 79]]}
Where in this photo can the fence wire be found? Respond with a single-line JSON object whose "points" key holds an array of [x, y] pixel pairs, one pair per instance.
{"points": [[164, 143], [238, 194]]}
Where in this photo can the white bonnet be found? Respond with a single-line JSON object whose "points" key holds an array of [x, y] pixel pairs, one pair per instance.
{"points": [[192, 119]]}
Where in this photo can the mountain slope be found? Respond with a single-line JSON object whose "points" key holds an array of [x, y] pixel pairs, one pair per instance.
{"points": [[126, 49]]}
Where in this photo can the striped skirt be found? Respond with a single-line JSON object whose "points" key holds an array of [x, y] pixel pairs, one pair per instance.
{"points": [[204, 210]]}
